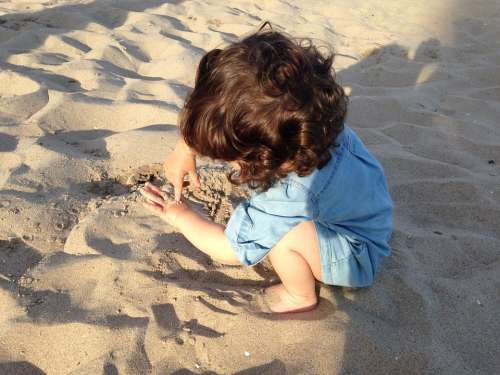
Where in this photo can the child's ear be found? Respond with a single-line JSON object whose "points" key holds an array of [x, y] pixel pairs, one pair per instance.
{"points": [[206, 63]]}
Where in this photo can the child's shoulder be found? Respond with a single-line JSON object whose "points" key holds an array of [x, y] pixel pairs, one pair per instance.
{"points": [[350, 158], [293, 187], [315, 181], [350, 161]]}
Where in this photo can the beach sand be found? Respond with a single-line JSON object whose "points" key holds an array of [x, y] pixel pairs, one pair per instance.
{"points": [[91, 283]]}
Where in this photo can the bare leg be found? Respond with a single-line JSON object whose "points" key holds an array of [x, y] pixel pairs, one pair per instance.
{"points": [[296, 260]]}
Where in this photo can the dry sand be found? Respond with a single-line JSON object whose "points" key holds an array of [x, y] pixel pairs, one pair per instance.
{"points": [[90, 283]]}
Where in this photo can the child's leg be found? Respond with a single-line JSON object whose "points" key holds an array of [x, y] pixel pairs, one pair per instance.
{"points": [[296, 260]]}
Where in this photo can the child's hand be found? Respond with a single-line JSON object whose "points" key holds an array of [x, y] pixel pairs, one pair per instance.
{"points": [[156, 203], [179, 163]]}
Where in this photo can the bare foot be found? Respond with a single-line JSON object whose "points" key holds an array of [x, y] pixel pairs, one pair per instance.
{"points": [[276, 299]]}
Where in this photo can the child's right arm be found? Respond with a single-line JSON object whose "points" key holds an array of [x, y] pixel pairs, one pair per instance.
{"points": [[206, 235]]}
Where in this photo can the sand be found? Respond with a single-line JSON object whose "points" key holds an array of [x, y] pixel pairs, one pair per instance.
{"points": [[91, 283]]}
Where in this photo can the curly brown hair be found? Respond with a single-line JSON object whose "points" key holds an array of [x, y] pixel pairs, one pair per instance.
{"points": [[268, 102]]}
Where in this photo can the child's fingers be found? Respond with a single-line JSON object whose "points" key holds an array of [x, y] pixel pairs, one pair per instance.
{"points": [[193, 177], [153, 207], [148, 188], [152, 197], [152, 202], [153, 188]]}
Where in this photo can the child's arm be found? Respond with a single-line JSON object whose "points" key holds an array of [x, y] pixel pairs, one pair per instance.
{"points": [[206, 235]]}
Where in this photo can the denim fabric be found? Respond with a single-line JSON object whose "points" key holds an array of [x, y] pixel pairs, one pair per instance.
{"points": [[348, 201]]}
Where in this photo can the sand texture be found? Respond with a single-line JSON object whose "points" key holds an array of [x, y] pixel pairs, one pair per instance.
{"points": [[91, 283]]}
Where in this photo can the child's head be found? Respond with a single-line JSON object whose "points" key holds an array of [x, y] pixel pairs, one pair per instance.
{"points": [[267, 102]]}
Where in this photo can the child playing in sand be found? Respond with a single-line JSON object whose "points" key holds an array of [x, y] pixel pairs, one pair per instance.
{"points": [[319, 205]]}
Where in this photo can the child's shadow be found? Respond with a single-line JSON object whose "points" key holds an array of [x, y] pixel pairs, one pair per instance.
{"points": [[190, 269], [391, 322], [374, 80]]}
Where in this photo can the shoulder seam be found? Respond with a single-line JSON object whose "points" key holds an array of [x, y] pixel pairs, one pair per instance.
{"points": [[309, 194]]}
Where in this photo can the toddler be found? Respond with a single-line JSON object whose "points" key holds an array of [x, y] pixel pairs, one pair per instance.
{"points": [[319, 205]]}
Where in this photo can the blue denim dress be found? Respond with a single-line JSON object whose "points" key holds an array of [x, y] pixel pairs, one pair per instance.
{"points": [[347, 200]]}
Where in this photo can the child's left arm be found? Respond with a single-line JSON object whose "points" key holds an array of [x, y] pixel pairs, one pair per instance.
{"points": [[206, 235]]}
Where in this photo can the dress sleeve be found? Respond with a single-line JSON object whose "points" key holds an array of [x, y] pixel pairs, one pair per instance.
{"points": [[257, 225]]}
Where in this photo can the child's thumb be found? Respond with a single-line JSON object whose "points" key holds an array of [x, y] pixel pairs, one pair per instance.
{"points": [[193, 177]]}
